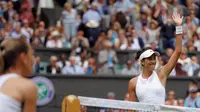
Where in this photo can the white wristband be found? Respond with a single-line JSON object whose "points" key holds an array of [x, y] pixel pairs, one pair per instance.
{"points": [[179, 30]]}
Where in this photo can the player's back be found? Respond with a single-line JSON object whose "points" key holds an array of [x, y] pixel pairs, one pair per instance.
{"points": [[7, 103]]}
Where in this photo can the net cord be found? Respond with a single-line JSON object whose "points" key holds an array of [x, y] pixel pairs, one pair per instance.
{"points": [[126, 105]]}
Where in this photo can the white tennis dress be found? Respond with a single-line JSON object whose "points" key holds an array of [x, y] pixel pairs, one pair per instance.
{"points": [[8, 104], [150, 90]]}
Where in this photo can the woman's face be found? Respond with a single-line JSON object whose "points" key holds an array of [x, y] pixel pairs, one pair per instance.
{"points": [[153, 26], [68, 7], [149, 63]]}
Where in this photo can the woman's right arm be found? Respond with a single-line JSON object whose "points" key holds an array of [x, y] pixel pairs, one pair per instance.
{"points": [[131, 91]]}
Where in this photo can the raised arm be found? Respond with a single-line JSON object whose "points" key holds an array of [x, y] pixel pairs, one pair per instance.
{"points": [[165, 71]]}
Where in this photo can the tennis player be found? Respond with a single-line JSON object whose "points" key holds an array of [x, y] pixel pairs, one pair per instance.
{"points": [[149, 86], [17, 93]]}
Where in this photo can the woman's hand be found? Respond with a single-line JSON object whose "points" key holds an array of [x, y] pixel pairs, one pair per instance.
{"points": [[177, 18]]}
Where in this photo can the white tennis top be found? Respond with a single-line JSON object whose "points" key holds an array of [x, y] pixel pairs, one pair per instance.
{"points": [[150, 90], [8, 104]]}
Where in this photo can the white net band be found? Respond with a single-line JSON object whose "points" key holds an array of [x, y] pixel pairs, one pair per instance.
{"points": [[126, 105]]}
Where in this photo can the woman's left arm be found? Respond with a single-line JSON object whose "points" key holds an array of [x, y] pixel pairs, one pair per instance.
{"points": [[166, 70]]}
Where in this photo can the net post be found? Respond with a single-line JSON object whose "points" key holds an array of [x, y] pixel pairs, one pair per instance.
{"points": [[71, 104]]}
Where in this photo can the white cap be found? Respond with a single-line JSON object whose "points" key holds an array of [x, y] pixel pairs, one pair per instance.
{"points": [[148, 53]]}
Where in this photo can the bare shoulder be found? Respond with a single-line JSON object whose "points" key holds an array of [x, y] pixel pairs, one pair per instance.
{"points": [[133, 82], [27, 84]]}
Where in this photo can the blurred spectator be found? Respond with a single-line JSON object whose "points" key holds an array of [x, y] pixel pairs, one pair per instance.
{"points": [[44, 4], [16, 19], [37, 67], [190, 68], [130, 45], [180, 102], [102, 10], [195, 20], [175, 6], [91, 69], [192, 100], [63, 61], [26, 4], [153, 32], [197, 72], [16, 34], [129, 29], [111, 7], [54, 40], [115, 29], [127, 8], [102, 37], [92, 19], [179, 70], [26, 13], [190, 46], [52, 68], [143, 33], [121, 41], [80, 41], [171, 99], [26, 29], [72, 69], [107, 59], [81, 57], [36, 41], [160, 63], [17, 4], [142, 21], [84, 109], [196, 41], [8, 14], [129, 70], [2, 20], [167, 34], [42, 32], [8, 30], [110, 37], [184, 59], [68, 19], [189, 27], [2, 35], [168, 54], [193, 84], [138, 43]]}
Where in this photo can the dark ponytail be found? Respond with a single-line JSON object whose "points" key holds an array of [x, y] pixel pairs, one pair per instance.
{"points": [[1, 63]]}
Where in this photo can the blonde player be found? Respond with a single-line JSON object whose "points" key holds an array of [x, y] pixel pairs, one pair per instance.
{"points": [[17, 93], [149, 86]]}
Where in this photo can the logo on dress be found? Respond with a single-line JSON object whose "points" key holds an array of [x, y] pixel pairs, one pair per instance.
{"points": [[46, 90]]}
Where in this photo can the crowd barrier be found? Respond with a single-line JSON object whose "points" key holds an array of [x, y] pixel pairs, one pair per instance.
{"points": [[99, 86]]}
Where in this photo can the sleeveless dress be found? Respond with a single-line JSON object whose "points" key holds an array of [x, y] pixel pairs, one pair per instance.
{"points": [[150, 90], [8, 104]]}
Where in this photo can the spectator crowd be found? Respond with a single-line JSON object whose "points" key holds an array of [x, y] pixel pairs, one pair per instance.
{"points": [[95, 30], [106, 26]]}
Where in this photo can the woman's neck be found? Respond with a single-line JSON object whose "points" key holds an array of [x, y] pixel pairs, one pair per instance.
{"points": [[14, 70], [146, 74]]}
